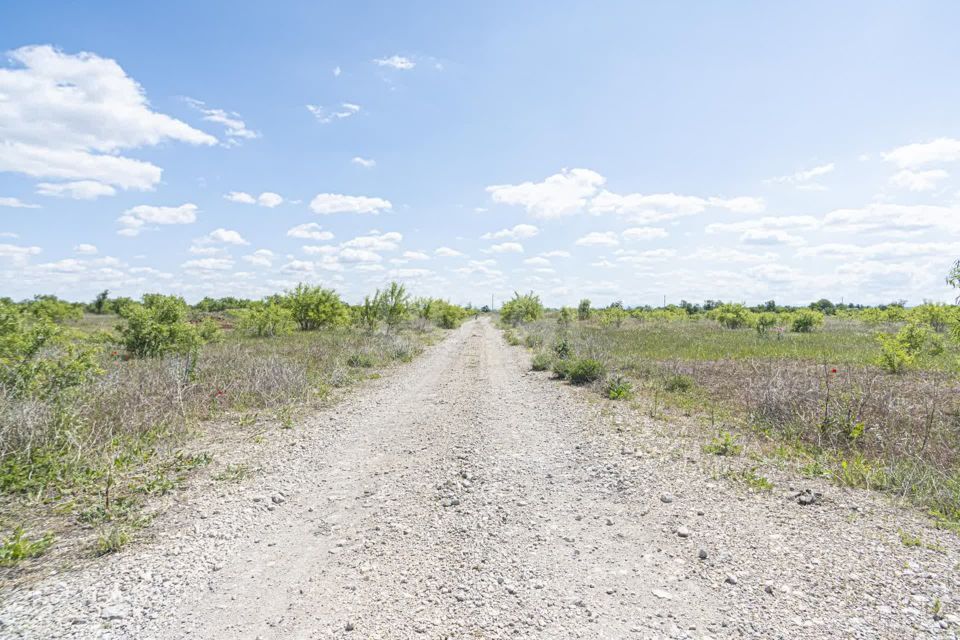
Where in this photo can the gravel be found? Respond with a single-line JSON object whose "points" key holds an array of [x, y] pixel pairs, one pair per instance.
{"points": [[465, 496]]}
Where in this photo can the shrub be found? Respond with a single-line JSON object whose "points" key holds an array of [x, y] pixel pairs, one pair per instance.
{"points": [[449, 316], [678, 382], [805, 320], [394, 304], [723, 444], [613, 315], [53, 309], [732, 316], [565, 317], [764, 322], [521, 309], [360, 360], [315, 307], [583, 310], [561, 368], [38, 360], [265, 319], [585, 371], [619, 388], [562, 348], [17, 546], [541, 362], [157, 327]]}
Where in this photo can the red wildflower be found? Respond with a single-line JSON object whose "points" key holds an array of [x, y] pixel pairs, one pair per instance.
{"points": [[833, 370]]}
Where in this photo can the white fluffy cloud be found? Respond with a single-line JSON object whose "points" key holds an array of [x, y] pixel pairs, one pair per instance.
{"points": [[561, 194], [924, 153], [598, 239], [326, 116], [77, 189], [396, 62], [366, 163], [507, 247], [70, 117], [135, 220], [376, 241], [310, 231], [16, 203], [446, 252], [918, 180], [85, 249], [328, 203], [415, 255], [225, 236], [581, 190], [518, 232], [16, 254], [266, 199]]}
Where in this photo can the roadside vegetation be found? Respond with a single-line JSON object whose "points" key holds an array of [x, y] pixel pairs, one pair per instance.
{"points": [[865, 396], [101, 404]]}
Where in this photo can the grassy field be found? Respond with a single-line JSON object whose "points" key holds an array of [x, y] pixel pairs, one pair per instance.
{"points": [[97, 419], [818, 399]]}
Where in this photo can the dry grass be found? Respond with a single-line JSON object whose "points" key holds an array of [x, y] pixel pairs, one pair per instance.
{"points": [[94, 457], [814, 396]]}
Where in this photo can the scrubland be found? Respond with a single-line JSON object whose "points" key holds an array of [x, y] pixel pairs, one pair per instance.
{"points": [[864, 397], [105, 406]]}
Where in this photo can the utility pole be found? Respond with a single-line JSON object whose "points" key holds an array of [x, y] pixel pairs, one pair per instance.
{"points": [[491, 302]]}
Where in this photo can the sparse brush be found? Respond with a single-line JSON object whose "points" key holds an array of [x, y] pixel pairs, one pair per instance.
{"points": [[585, 371], [541, 361], [111, 541], [723, 444], [619, 388], [678, 383], [17, 546]]}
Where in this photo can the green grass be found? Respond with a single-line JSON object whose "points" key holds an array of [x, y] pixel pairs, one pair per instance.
{"points": [[840, 342], [18, 546]]}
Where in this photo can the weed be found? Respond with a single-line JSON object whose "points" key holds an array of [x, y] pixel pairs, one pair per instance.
{"points": [[585, 371], [619, 388], [17, 546], [364, 360], [541, 362], [723, 444], [111, 541], [752, 479], [234, 473], [678, 383]]}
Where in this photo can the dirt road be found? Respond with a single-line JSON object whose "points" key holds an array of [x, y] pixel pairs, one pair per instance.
{"points": [[465, 497]]}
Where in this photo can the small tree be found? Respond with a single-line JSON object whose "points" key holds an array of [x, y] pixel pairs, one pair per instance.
{"points": [[583, 310], [805, 320], [315, 307], [394, 304], [265, 319], [158, 326], [100, 302], [521, 308]]}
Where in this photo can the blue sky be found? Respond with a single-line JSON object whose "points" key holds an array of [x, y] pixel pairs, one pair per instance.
{"points": [[609, 150]]}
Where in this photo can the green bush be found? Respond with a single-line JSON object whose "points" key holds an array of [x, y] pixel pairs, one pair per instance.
{"points": [[678, 382], [583, 310], [585, 371], [521, 309], [805, 320], [561, 368], [38, 359], [315, 307], [541, 362], [158, 327], [53, 309], [265, 319], [619, 388], [449, 316], [764, 322], [732, 316], [562, 348]]}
